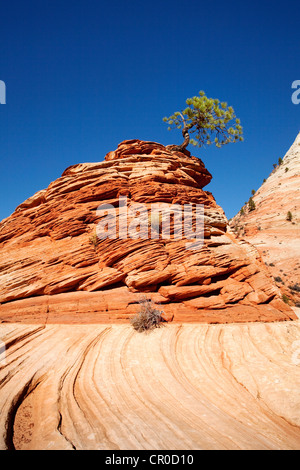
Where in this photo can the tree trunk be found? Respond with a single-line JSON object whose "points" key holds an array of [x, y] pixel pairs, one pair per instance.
{"points": [[186, 136]]}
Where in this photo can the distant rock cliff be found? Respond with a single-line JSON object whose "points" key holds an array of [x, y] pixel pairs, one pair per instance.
{"points": [[53, 267], [274, 226]]}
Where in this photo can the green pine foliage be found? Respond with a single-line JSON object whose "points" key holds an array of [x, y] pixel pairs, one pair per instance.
{"points": [[285, 298], [251, 205], [211, 121]]}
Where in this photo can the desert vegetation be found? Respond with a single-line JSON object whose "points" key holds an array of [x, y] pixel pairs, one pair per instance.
{"points": [[286, 299], [93, 239], [148, 317], [212, 122], [251, 205], [295, 287]]}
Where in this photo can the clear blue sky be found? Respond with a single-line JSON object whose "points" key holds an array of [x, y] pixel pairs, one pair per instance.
{"points": [[82, 76]]}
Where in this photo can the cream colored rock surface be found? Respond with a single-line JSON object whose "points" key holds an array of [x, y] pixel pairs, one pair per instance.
{"points": [[277, 239], [183, 386]]}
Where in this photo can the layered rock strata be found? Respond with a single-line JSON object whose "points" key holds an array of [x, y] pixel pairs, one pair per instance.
{"points": [[274, 225], [54, 268], [190, 386]]}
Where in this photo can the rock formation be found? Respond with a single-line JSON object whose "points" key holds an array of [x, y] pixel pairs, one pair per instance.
{"points": [[274, 226], [53, 267], [103, 387]]}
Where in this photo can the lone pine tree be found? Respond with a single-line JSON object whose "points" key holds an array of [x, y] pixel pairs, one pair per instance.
{"points": [[209, 119]]}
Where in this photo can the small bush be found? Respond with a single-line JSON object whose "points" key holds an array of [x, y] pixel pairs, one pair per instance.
{"points": [[295, 287], [297, 304], [148, 317], [93, 240], [278, 279], [289, 216], [285, 298], [251, 205]]}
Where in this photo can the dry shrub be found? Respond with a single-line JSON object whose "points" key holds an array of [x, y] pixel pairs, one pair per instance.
{"points": [[93, 240], [148, 317]]}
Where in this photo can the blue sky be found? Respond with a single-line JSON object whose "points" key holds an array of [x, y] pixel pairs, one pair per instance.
{"points": [[82, 76]]}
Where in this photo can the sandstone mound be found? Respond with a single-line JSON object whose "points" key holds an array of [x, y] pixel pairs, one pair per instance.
{"points": [[54, 269], [269, 228]]}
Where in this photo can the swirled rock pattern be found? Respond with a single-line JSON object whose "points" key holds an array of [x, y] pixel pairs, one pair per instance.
{"points": [[180, 387], [54, 268]]}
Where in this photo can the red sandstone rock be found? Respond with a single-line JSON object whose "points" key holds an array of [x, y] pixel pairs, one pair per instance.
{"points": [[52, 268]]}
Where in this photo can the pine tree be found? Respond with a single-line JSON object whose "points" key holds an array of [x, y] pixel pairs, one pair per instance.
{"points": [[251, 205], [209, 120]]}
